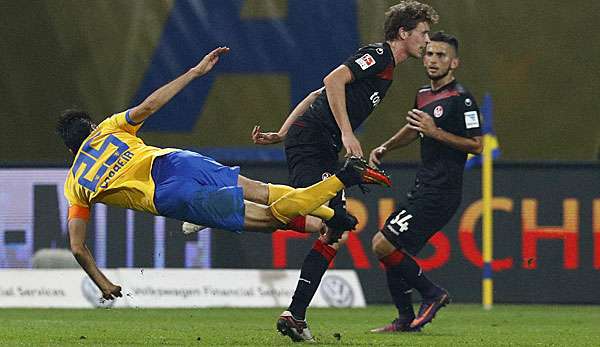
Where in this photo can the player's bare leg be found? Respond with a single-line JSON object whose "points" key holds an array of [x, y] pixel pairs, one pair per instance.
{"points": [[264, 194], [254, 190], [292, 203], [267, 193], [259, 218]]}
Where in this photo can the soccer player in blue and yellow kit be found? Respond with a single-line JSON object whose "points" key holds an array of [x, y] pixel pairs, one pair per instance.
{"points": [[114, 166]]}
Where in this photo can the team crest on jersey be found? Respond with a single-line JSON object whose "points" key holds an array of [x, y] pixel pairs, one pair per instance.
{"points": [[468, 102], [379, 51], [365, 61], [438, 111], [325, 175]]}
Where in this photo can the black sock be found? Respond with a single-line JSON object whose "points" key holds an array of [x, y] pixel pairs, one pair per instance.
{"points": [[341, 219], [415, 277], [412, 273], [348, 175], [314, 266], [401, 294]]}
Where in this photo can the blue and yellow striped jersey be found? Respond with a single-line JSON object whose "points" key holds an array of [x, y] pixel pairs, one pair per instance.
{"points": [[113, 166]]}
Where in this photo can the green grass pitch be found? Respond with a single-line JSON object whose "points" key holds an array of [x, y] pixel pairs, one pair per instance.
{"points": [[465, 325]]}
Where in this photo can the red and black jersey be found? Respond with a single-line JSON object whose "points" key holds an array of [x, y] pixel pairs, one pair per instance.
{"points": [[454, 110], [372, 67]]}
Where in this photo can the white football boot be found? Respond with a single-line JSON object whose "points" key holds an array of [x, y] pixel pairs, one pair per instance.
{"points": [[190, 228]]}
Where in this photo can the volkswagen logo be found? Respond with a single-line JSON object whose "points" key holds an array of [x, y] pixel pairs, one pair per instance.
{"points": [[337, 292]]}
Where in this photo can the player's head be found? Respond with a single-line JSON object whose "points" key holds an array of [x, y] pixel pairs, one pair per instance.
{"points": [[441, 56], [409, 21], [73, 127]]}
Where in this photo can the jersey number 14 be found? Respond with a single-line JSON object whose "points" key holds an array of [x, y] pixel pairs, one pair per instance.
{"points": [[399, 224]]}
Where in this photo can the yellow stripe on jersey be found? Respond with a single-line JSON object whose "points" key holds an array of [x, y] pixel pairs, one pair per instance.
{"points": [[113, 166]]}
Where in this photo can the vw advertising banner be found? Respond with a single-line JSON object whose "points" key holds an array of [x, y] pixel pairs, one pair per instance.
{"points": [[52, 288], [145, 288]]}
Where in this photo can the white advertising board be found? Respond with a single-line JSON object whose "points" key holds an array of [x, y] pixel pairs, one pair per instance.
{"points": [[51, 288], [145, 288]]}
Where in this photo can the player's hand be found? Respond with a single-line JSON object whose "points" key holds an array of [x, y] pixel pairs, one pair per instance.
{"points": [[421, 122], [376, 156], [209, 61], [261, 138], [111, 292], [331, 236], [352, 145]]}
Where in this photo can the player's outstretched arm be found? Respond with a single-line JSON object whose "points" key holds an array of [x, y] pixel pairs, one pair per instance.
{"points": [[77, 233], [162, 95], [268, 138]]}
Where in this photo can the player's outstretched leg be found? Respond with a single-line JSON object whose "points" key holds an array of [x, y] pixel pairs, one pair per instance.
{"points": [[303, 201], [276, 191]]}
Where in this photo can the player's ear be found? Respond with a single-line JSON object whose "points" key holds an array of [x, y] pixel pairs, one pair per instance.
{"points": [[455, 63], [402, 34]]}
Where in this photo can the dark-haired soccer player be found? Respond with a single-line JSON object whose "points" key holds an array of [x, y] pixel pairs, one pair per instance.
{"points": [[314, 138], [446, 119], [114, 166]]}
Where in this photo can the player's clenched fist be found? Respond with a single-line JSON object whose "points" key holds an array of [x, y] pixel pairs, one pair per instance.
{"points": [[111, 292]]}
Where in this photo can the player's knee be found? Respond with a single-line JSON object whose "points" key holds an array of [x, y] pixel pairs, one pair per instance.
{"points": [[344, 238], [380, 246], [254, 190], [326, 238]]}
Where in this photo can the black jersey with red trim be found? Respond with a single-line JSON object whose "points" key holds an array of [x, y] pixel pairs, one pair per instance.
{"points": [[372, 69], [454, 110]]}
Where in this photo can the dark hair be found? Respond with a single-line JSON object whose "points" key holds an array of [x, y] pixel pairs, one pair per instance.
{"points": [[73, 127], [441, 36], [407, 14]]}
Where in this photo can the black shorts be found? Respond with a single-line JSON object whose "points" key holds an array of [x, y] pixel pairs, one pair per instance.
{"points": [[311, 157], [423, 213]]}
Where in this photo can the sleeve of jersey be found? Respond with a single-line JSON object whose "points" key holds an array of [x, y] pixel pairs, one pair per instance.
{"points": [[124, 122], [471, 115], [77, 207], [76, 211], [366, 62]]}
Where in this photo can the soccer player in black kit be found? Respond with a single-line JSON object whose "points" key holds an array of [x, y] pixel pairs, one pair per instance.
{"points": [[446, 119], [316, 130]]}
